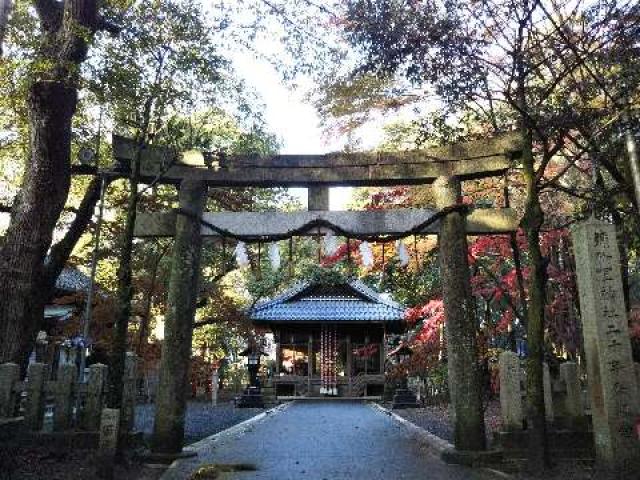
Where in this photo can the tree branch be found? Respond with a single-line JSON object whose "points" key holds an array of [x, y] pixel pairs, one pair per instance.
{"points": [[60, 252]]}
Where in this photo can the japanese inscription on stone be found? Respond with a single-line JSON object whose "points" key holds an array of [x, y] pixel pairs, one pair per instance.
{"points": [[109, 425], [611, 376], [510, 392]]}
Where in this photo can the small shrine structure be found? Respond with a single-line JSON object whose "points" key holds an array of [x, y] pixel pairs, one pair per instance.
{"points": [[330, 339]]}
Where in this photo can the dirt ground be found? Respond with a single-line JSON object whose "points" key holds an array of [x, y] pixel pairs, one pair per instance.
{"points": [[51, 463]]}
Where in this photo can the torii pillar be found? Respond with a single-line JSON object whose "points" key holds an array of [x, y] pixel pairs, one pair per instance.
{"points": [[168, 430], [462, 352]]}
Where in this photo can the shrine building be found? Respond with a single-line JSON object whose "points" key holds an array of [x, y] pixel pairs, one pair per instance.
{"points": [[330, 339]]}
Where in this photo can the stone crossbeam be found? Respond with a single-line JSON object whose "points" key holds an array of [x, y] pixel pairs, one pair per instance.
{"points": [[477, 159], [255, 225]]}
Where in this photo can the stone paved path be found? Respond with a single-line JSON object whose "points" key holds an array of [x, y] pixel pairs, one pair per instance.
{"points": [[324, 440]]}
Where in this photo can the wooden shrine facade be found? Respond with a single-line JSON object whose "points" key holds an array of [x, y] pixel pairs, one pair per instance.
{"points": [[330, 339]]}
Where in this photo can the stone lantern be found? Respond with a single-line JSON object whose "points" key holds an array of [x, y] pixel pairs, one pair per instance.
{"points": [[252, 396], [403, 397]]}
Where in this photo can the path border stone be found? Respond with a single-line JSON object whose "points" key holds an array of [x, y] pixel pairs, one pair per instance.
{"points": [[173, 471], [441, 447]]}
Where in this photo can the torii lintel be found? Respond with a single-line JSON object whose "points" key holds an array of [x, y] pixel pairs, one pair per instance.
{"points": [[468, 160]]}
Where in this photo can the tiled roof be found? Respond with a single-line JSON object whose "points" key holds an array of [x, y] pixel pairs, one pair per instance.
{"points": [[72, 280], [351, 302]]}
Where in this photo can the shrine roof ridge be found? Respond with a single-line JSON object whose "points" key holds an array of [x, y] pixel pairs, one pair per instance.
{"points": [[364, 305]]}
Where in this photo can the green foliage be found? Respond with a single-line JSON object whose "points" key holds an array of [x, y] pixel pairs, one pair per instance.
{"points": [[413, 286], [214, 130], [352, 99], [165, 60], [327, 275]]}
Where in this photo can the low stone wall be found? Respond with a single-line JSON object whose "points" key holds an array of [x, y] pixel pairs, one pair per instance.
{"points": [[75, 404]]}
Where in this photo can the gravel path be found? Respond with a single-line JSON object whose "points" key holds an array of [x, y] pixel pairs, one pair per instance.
{"points": [[435, 419], [202, 419]]}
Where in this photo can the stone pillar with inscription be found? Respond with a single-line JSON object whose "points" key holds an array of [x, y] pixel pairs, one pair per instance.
{"points": [[108, 443], [9, 376], [510, 391], [610, 372], [127, 414], [215, 380], [37, 374], [573, 397]]}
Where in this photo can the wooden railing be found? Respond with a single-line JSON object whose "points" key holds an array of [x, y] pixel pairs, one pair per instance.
{"points": [[357, 385]]}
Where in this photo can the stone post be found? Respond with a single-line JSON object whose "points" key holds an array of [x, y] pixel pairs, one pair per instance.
{"points": [[168, 434], [318, 199], [34, 409], [510, 391], [573, 398], [464, 373], [95, 396], [548, 392], [63, 411], [127, 414], [9, 375], [215, 381], [108, 443], [610, 372]]}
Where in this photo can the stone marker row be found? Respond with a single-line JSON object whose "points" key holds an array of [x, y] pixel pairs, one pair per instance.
{"points": [[611, 374], [64, 391], [571, 406]]}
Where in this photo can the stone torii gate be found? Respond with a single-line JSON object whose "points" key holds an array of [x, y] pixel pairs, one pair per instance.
{"points": [[444, 167]]}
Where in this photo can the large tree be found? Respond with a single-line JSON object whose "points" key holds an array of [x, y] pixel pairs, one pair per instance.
{"points": [[65, 32]]}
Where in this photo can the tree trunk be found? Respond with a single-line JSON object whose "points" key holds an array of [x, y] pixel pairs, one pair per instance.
{"points": [[125, 292], [538, 454], [517, 261], [146, 315], [65, 30], [34, 215], [61, 251], [620, 236]]}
